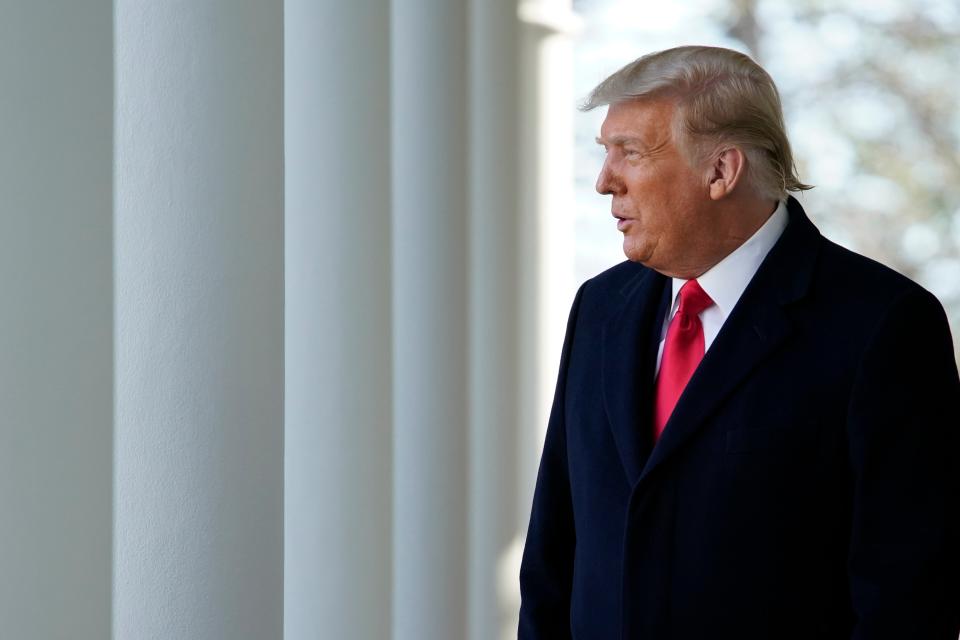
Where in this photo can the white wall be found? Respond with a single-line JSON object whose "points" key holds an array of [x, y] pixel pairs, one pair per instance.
{"points": [[56, 361]]}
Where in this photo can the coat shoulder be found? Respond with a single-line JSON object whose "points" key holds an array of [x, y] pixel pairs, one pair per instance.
{"points": [[614, 282], [867, 284]]}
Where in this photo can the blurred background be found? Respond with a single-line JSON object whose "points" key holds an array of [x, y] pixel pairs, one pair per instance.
{"points": [[285, 283]]}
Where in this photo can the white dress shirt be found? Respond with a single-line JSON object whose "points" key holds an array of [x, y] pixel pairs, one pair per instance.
{"points": [[726, 281]]}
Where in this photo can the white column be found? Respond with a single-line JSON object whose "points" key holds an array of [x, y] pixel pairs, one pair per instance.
{"points": [[56, 310], [430, 337], [337, 551], [494, 316], [547, 286], [199, 320]]}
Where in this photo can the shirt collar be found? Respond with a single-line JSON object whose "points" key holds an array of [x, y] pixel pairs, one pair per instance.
{"points": [[725, 281]]}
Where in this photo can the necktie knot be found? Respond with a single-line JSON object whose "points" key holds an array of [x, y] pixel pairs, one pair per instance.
{"points": [[693, 299]]}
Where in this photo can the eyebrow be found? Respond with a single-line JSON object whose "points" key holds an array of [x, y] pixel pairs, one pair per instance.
{"points": [[619, 141]]}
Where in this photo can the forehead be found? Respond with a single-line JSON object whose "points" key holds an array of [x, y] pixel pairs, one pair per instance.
{"points": [[646, 119]]}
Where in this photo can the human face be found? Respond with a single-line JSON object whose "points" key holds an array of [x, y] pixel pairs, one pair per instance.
{"points": [[659, 202]]}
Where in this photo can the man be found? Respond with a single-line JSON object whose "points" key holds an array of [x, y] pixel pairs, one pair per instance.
{"points": [[755, 430]]}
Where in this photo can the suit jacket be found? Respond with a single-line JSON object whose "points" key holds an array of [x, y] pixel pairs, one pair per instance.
{"points": [[805, 486]]}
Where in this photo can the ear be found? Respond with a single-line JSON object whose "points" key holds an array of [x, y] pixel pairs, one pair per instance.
{"points": [[726, 171]]}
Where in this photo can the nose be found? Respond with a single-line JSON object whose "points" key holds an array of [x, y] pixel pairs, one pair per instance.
{"points": [[607, 181]]}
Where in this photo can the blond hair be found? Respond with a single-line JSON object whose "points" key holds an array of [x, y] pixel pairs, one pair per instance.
{"points": [[724, 99]]}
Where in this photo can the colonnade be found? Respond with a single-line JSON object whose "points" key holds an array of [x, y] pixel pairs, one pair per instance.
{"points": [[278, 276]]}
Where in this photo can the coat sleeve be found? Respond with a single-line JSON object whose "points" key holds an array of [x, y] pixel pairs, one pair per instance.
{"points": [[902, 425], [546, 571]]}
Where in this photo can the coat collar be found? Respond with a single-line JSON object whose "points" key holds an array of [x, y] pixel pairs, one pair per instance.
{"points": [[756, 327], [629, 347]]}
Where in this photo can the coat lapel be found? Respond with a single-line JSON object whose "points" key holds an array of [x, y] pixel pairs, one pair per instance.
{"points": [[758, 325], [630, 340]]}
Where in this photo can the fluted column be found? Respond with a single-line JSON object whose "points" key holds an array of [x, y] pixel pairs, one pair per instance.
{"points": [[338, 324], [199, 312], [430, 334], [56, 319], [494, 318]]}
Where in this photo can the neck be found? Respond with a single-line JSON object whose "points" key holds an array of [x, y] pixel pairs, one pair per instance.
{"points": [[735, 223]]}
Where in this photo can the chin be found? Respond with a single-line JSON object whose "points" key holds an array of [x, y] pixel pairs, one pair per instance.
{"points": [[644, 258], [634, 254]]}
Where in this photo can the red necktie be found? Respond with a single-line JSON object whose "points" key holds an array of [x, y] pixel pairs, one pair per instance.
{"points": [[682, 352]]}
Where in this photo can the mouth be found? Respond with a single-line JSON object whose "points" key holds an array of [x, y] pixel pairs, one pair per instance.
{"points": [[622, 223]]}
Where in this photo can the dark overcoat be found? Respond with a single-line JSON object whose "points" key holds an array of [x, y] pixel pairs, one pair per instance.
{"points": [[805, 486]]}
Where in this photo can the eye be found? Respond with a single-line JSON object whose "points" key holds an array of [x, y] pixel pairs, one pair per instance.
{"points": [[631, 153]]}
